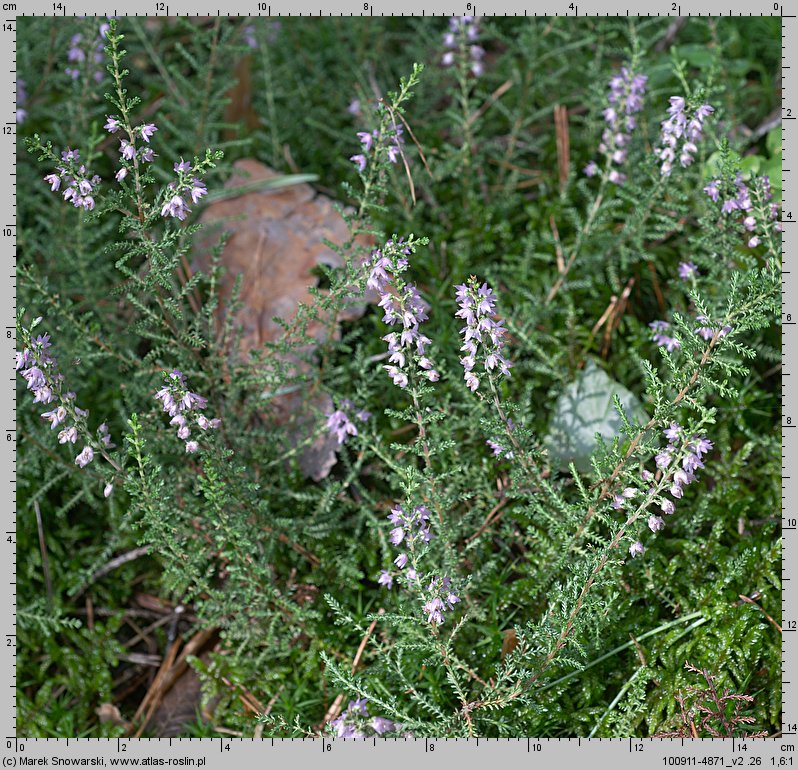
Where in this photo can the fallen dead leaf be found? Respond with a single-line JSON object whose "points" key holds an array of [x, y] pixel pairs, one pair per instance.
{"points": [[277, 238], [108, 713]]}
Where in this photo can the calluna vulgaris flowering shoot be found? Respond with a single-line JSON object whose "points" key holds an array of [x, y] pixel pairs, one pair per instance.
{"points": [[439, 407]]}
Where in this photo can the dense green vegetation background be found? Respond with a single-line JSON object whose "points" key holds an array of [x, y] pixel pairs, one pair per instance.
{"points": [[487, 204]]}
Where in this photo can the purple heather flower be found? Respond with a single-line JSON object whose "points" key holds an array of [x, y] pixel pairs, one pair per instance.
{"points": [[127, 150], [147, 154], [701, 445], [667, 507], [712, 190], [385, 579], [403, 305], [401, 560], [360, 162], [397, 535], [381, 725], [55, 416], [673, 432], [636, 549], [85, 457], [663, 459], [366, 139], [687, 270], [341, 426], [354, 107], [183, 167], [147, 131], [462, 35], [663, 340], [198, 189], [175, 207], [107, 490], [655, 523], [22, 97], [191, 446], [112, 125], [499, 451], [679, 127], [121, 174], [476, 306], [54, 181], [105, 436], [625, 99], [754, 242], [69, 435]]}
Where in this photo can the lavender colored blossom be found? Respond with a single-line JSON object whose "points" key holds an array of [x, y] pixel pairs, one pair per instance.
{"points": [[663, 340], [410, 528], [483, 335], [712, 190], [41, 372], [636, 549], [22, 97], [385, 579], [187, 186], [356, 722], [85, 457], [671, 477], [376, 144], [441, 600], [752, 204], [499, 451], [655, 523], [687, 270], [68, 435], [401, 304], [381, 725], [625, 100], [339, 423], [681, 126], [112, 124], [79, 183], [175, 207], [147, 131], [86, 55], [107, 490], [181, 404], [248, 36], [127, 150], [461, 38], [360, 161]]}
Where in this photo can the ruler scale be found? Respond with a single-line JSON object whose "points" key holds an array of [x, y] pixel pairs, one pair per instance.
{"points": [[780, 751]]}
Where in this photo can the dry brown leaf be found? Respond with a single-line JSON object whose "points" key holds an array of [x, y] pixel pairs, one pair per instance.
{"points": [[109, 713], [276, 240], [181, 705], [509, 643]]}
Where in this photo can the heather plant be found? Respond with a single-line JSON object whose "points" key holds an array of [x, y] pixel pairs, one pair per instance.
{"points": [[512, 461]]}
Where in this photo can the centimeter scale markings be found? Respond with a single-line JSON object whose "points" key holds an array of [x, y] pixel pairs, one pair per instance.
{"points": [[780, 751]]}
